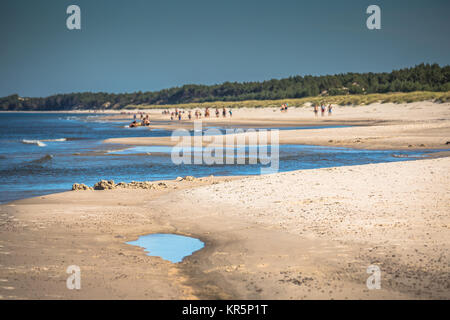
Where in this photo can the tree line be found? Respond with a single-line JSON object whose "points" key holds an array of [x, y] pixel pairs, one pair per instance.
{"points": [[423, 77]]}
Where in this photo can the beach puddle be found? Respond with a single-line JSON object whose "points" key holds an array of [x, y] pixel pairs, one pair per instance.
{"points": [[171, 247]]}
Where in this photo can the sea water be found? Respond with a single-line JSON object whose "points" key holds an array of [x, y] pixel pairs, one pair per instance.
{"points": [[42, 153]]}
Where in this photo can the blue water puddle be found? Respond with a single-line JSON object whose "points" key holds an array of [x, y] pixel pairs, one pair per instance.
{"points": [[171, 247]]}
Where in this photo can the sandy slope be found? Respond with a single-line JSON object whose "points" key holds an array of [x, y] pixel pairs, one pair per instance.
{"points": [[302, 234]]}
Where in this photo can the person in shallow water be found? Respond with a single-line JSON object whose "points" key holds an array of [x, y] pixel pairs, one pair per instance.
{"points": [[146, 120]]}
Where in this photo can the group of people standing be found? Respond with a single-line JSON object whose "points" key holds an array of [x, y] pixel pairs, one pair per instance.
{"points": [[178, 114], [323, 109]]}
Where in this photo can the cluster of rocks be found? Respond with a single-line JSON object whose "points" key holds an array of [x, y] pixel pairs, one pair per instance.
{"points": [[187, 178], [81, 186], [110, 184]]}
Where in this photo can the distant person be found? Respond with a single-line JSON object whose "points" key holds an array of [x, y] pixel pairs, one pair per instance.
{"points": [[217, 113], [179, 116], [231, 113], [330, 109], [190, 115], [224, 112], [316, 110], [322, 109]]}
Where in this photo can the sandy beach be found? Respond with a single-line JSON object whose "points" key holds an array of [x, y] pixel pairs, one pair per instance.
{"points": [[264, 239], [420, 125], [305, 234]]}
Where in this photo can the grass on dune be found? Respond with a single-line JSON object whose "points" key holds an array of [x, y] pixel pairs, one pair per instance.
{"points": [[343, 100]]}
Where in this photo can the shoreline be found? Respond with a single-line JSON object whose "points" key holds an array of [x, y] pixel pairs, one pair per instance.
{"points": [[377, 126], [382, 137], [303, 234], [251, 250]]}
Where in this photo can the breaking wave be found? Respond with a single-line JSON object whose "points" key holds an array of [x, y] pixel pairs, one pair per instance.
{"points": [[36, 142], [41, 143]]}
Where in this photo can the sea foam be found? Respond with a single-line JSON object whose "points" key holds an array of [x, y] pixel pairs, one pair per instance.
{"points": [[36, 142]]}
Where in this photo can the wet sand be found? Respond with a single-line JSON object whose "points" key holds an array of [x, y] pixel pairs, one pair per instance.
{"points": [[307, 234]]}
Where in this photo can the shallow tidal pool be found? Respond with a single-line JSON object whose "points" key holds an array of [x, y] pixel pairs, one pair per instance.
{"points": [[171, 247]]}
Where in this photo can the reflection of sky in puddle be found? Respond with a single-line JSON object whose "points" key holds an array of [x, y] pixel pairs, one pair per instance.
{"points": [[171, 247]]}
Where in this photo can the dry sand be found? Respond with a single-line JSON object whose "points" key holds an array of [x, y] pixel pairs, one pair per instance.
{"points": [[296, 235]]}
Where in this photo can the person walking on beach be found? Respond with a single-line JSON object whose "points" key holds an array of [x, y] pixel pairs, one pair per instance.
{"points": [[217, 113], [231, 113], [316, 110], [190, 115], [224, 112], [330, 109], [322, 109]]}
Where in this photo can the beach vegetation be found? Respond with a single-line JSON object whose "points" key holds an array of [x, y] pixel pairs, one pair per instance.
{"points": [[422, 82]]}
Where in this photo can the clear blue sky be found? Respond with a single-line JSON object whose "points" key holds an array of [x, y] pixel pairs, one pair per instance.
{"points": [[147, 45]]}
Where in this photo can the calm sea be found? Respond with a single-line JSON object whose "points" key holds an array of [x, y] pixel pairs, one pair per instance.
{"points": [[43, 153]]}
